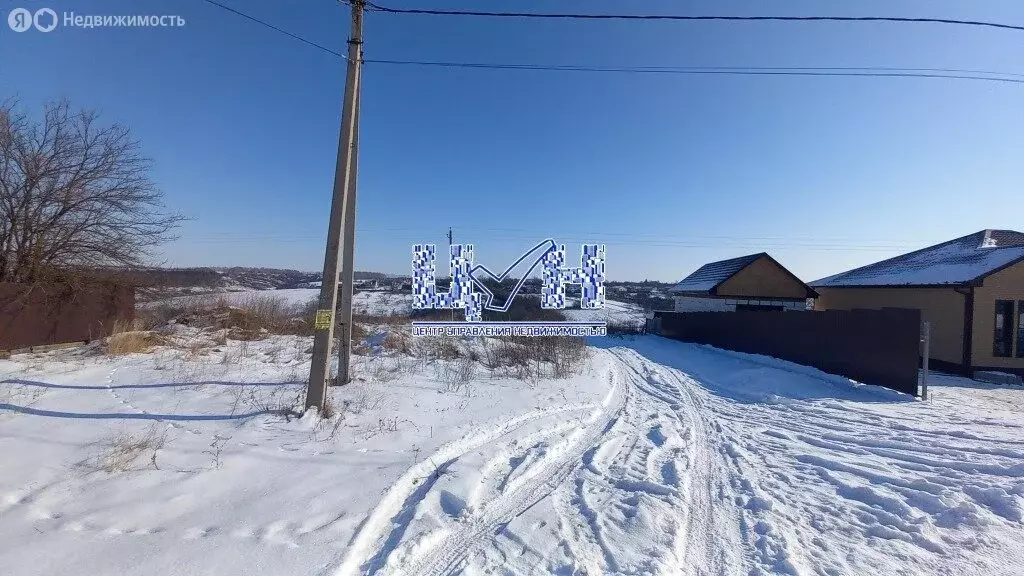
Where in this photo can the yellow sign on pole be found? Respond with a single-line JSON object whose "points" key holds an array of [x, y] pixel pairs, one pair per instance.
{"points": [[323, 319]]}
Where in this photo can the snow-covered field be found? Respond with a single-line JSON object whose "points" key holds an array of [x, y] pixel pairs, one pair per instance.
{"points": [[373, 303], [658, 458], [621, 313], [390, 303]]}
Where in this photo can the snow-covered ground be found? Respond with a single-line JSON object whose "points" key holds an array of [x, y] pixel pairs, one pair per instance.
{"points": [[614, 312], [373, 303], [659, 457], [381, 303]]}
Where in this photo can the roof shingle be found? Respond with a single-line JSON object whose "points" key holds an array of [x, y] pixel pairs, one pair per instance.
{"points": [[959, 261], [710, 275]]}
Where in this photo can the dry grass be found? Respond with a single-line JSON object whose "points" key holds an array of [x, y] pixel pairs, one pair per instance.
{"points": [[133, 325], [389, 319], [254, 318], [385, 368], [128, 343], [456, 376], [123, 450], [398, 341], [251, 319], [127, 338], [359, 333], [161, 313], [621, 329], [283, 400], [439, 348], [531, 358]]}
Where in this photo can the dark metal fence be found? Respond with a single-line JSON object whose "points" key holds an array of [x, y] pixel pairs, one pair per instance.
{"points": [[38, 314], [870, 346]]}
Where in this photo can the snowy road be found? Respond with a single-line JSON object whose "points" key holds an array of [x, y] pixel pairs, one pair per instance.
{"points": [[657, 457], [705, 462]]}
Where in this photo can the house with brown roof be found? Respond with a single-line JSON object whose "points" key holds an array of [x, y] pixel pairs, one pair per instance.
{"points": [[970, 289], [753, 282]]}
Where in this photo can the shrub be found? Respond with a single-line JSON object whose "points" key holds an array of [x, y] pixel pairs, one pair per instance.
{"points": [[161, 313], [439, 348], [261, 314], [126, 338], [620, 329], [568, 356], [123, 450], [529, 358], [455, 376], [128, 343]]}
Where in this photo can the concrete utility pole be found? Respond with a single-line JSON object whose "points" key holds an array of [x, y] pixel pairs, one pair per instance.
{"points": [[344, 194], [348, 271]]}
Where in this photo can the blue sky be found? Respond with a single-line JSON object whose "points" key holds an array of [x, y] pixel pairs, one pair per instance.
{"points": [[669, 171]]}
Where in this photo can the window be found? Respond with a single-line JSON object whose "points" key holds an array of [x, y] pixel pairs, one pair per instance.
{"points": [[1003, 342], [1020, 329]]}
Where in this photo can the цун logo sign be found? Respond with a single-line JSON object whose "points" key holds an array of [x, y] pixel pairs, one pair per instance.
{"points": [[466, 278]]}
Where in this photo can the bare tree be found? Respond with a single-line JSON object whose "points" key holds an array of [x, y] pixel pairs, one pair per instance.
{"points": [[74, 193]]}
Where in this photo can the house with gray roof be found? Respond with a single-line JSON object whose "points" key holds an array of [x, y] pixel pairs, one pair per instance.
{"points": [[753, 282], [970, 289]]}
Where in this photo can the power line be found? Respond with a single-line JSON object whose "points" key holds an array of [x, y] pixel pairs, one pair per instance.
{"points": [[885, 72], [521, 233], [532, 233], [565, 16], [695, 244], [272, 27], [704, 69], [492, 241], [700, 69], [938, 73]]}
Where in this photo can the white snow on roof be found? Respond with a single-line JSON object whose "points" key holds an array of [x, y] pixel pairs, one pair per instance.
{"points": [[989, 241], [955, 262], [714, 273], [695, 286]]}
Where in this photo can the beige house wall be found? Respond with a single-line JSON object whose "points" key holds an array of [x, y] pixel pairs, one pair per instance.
{"points": [[762, 278], [1007, 284], [942, 307]]}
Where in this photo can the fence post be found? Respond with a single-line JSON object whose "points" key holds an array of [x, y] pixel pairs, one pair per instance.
{"points": [[926, 337]]}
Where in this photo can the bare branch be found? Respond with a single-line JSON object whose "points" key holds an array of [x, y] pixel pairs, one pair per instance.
{"points": [[74, 193]]}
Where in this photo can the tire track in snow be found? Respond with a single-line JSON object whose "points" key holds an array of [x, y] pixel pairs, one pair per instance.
{"points": [[586, 541], [521, 453], [816, 471], [701, 545], [640, 464], [375, 542], [529, 489], [740, 502]]}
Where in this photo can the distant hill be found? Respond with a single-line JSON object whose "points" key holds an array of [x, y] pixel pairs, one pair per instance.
{"points": [[166, 281], [368, 275]]}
